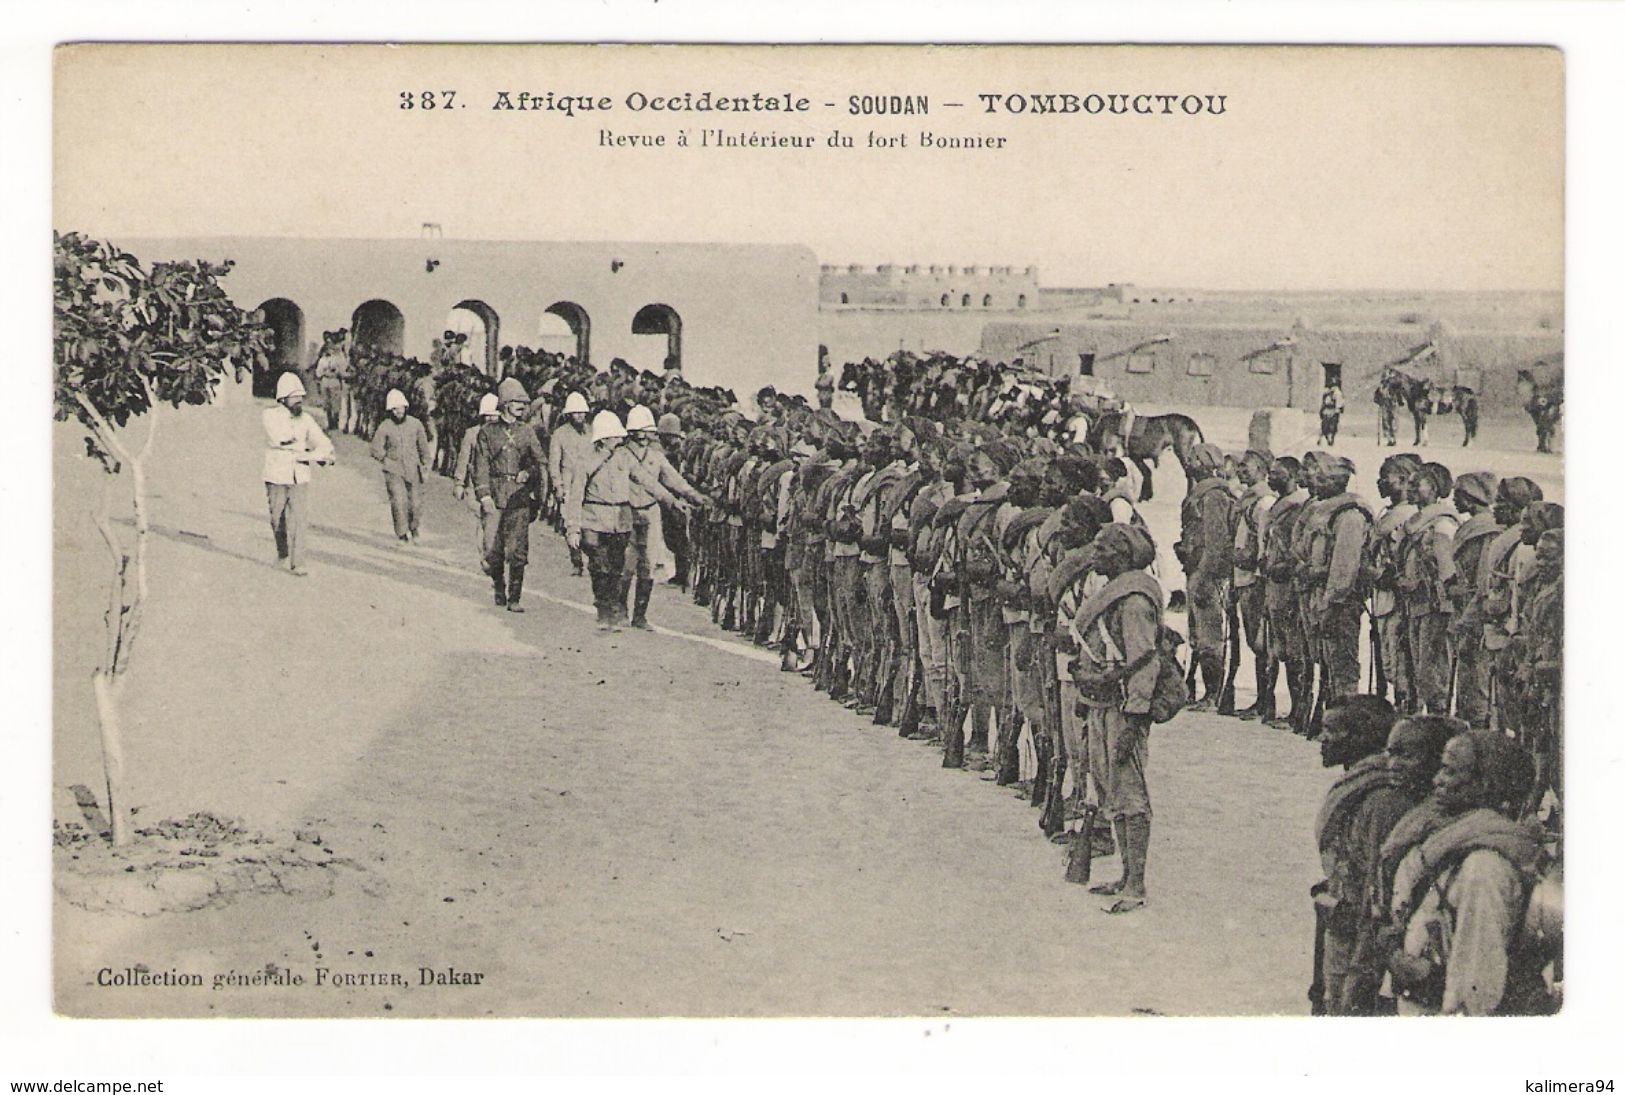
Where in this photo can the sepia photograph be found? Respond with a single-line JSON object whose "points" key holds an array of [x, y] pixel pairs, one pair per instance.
{"points": [[1002, 555], [765, 531]]}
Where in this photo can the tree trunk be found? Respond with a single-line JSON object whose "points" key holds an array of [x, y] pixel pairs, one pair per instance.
{"points": [[107, 691], [124, 612]]}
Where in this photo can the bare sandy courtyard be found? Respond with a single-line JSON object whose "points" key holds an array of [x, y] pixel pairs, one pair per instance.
{"points": [[554, 822]]}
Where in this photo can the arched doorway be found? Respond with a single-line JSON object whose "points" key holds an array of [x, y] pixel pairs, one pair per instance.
{"points": [[287, 322], [478, 320], [378, 325], [662, 319], [566, 329]]}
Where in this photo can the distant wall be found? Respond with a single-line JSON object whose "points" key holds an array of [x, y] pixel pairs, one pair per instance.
{"points": [[748, 314], [1233, 365]]}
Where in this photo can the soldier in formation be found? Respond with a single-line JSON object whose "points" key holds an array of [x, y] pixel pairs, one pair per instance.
{"points": [[975, 574]]}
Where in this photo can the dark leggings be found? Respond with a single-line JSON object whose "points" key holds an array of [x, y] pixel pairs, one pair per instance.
{"points": [[606, 556]]}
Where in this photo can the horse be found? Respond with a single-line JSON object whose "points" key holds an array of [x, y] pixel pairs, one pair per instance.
{"points": [[1415, 392], [1543, 400], [1149, 438]]}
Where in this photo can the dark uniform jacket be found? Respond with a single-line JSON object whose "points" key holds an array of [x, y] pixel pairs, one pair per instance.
{"points": [[509, 464]]}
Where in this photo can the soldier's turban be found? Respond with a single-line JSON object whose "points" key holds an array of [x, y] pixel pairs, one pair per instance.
{"points": [[1130, 541], [1519, 491], [1477, 486], [1206, 458]]}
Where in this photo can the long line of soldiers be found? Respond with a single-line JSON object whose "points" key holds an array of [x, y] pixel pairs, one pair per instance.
{"points": [[978, 585], [1450, 579]]}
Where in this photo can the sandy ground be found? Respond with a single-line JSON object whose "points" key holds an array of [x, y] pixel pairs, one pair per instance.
{"points": [[629, 825]]}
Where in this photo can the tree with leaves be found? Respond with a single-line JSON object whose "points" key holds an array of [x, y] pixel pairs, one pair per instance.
{"points": [[126, 340]]}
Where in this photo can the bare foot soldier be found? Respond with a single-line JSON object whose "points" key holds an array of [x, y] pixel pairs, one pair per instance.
{"points": [[1252, 514], [1205, 550], [1337, 531], [1119, 627], [1288, 646], [1390, 643], [1474, 495], [1426, 568]]}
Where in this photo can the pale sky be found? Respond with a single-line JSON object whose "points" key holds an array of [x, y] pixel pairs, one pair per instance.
{"points": [[1330, 168]]}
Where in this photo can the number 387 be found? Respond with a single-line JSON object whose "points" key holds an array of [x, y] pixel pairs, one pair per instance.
{"points": [[427, 100]]}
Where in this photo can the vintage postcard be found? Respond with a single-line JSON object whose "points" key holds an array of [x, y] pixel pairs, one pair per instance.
{"points": [[798, 531]]}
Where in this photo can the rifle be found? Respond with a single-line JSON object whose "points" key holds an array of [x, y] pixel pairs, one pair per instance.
{"points": [[1317, 980], [1232, 653], [1007, 757], [885, 684], [1450, 692], [1379, 674], [1410, 664], [1190, 670], [1318, 676], [953, 715], [1053, 818], [909, 724]]}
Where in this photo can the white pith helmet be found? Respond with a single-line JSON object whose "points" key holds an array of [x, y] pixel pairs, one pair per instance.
{"points": [[639, 418], [606, 426], [288, 384]]}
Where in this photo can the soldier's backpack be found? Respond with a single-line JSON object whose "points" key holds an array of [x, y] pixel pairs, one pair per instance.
{"points": [[767, 493], [979, 559], [1101, 684]]}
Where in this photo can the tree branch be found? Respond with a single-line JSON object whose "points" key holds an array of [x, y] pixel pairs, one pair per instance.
{"points": [[152, 416], [102, 428]]}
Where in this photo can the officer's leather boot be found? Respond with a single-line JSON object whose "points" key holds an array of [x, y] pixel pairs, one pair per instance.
{"points": [[499, 591], [640, 604], [516, 587], [600, 601]]}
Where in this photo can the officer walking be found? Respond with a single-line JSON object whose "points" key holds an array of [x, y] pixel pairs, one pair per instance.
{"points": [[401, 445], [294, 443], [463, 473], [508, 469], [598, 513], [567, 449], [640, 431]]}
